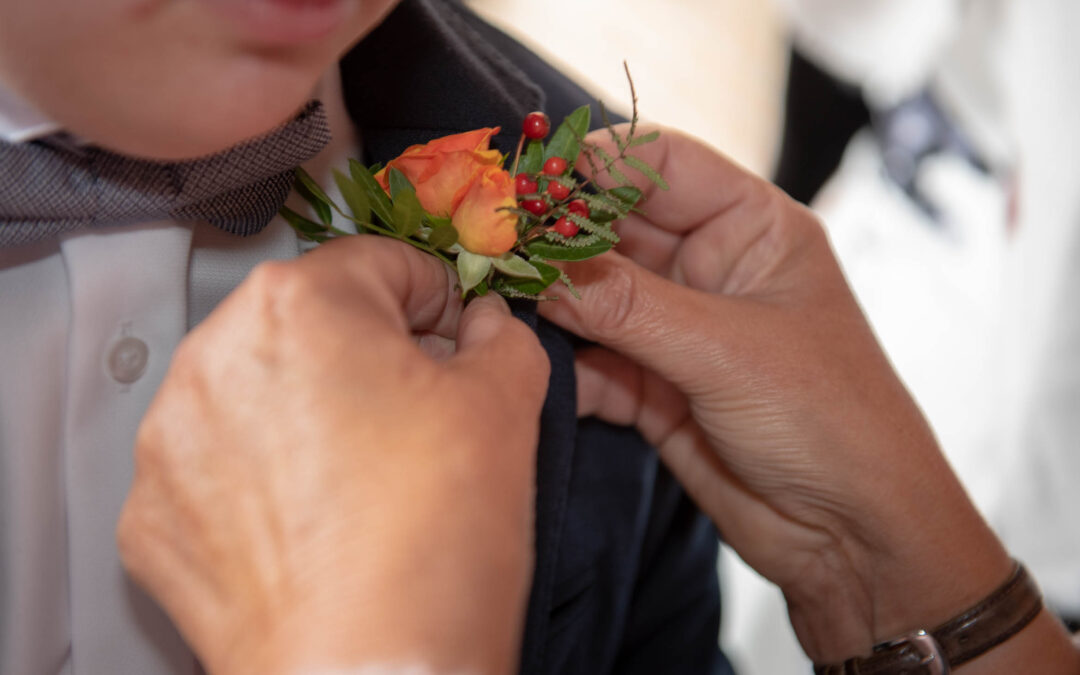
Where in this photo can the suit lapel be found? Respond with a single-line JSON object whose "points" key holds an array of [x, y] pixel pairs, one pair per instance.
{"points": [[424, 73]]}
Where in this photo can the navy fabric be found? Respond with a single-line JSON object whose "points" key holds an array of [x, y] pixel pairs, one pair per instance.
{"points": [[625, 578]]}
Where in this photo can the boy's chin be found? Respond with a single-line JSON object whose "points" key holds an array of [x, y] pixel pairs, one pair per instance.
{"points": [[183, 137]]}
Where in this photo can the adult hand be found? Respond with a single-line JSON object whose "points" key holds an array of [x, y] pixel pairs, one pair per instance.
{"points": [[313, 491], [730, 338]]}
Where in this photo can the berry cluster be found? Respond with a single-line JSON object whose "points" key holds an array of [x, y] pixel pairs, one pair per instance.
{"points": [[539, 194]]}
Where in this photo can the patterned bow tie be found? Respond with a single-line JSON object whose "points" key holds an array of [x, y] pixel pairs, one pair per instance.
{"points": [[48, 187]]}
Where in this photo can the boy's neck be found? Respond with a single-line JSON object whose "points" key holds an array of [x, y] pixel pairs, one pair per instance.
{"points": [[345, 141]]}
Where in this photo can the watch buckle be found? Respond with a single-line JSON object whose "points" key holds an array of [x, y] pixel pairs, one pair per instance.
{"points": [[928, 650]]}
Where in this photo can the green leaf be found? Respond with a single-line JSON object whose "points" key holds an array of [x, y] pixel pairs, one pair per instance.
{"points": [[305, 227], [642, 140], [515, 266], [307, 181], [355, 197], [577, 241], [606, 207], [549, 251], [407, 212], [627, 194], [615, 137], [533, 159], [508, 292], [307, 188], [377, 197], [609, 165], [566, 181], [646, 170], [566, 141], [601, 230], [548, 276], [570, 285], [472, 269], [603, 216], [358, 171], [443, 235], [603, 201], [398, 183]]}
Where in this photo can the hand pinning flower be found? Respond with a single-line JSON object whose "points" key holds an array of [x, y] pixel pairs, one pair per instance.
{"points": [[498, 229]]}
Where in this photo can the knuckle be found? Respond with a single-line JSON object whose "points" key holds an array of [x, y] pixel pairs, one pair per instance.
{"points": [[802, 223], [813, 228], [281, 283], [132, 533], [149, 436], [128, 533], [267, 275], [186, 358], [151, 453]]}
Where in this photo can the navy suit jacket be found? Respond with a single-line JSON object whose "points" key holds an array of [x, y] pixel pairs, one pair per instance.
{"points": [[625, 578]]}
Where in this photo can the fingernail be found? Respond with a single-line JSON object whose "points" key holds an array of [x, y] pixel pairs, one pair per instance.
{"points": [[492, 301]]}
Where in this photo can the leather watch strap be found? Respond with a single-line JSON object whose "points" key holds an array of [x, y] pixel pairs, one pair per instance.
{"points": [[995, 619]]}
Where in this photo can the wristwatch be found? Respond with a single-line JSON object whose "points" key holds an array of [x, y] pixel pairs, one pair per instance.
{"points": [[994, 620]]}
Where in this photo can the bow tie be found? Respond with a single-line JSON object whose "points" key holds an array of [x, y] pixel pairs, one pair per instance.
{"points": [[48, 187]]}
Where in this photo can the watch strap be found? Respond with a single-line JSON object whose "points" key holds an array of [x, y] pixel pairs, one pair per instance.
{"points": [[995, 619]]}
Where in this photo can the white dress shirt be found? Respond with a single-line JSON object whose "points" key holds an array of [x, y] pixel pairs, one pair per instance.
{"points": [[88, 323]]}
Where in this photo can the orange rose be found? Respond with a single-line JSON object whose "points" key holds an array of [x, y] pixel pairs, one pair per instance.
{"points": [[443, 169], [481, 228]]}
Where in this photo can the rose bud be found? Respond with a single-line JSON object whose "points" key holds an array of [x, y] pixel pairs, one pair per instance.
{"points": [[482, 228], [443, 169]]}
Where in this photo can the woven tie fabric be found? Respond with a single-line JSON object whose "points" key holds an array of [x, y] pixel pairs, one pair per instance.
{"points": [[49, 187]]}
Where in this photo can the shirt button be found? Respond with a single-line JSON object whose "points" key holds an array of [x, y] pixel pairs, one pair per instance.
{"points": [[127, 360]]}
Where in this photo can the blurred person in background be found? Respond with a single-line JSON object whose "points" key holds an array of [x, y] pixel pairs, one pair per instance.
{"points": [[938, 141]]}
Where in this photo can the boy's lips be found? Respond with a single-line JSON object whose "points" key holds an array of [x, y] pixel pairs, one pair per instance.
{"points": [[283, 22]]}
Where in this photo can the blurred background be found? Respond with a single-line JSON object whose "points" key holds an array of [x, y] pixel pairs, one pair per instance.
{"points": [[939, 141]]}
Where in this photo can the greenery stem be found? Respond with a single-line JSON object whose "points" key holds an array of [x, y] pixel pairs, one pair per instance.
{"points": [[517, 155]]}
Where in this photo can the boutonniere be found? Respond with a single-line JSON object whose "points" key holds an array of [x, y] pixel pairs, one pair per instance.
{"points": [[498, 228]]}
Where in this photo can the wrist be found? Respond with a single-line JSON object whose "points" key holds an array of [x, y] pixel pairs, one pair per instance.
{"points": [[398, 607], [906, 562], [382, 643]]}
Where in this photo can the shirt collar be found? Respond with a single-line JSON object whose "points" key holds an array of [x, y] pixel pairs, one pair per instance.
{"points": [[21, 122]]}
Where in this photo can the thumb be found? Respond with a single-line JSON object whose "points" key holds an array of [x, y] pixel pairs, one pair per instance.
{"points": [[502, 351], [682, 334]]}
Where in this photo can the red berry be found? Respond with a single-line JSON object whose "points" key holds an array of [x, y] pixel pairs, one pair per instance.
{"points": [[579, 207], [564, 227], [556, 166], [558, 191], [537, 207], [536, 126], [524, 185]]}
